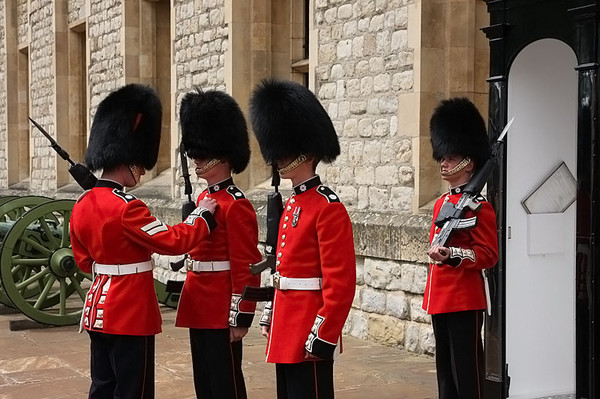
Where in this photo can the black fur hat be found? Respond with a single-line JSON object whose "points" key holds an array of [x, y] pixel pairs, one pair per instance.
{"points": [[288, 121], [126, 129], [457, 128], [213, 126]]}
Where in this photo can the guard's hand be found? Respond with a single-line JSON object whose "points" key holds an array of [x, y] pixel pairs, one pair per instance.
{"points": [[438, 254], [237, 333], [208, 204], [264, 331], [310, 356]]}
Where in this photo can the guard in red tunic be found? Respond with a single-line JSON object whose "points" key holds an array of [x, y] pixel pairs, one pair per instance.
{"points": [[215, 135], [455, 292], [113, 236], [316, 265]]}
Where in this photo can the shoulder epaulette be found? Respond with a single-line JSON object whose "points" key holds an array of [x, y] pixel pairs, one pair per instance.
{"points": [[124, 196], [328, 193], [235, 192], [82, 195]]}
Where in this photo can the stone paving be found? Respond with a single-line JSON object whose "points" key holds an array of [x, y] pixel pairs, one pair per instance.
{"points": [[54, 363]]}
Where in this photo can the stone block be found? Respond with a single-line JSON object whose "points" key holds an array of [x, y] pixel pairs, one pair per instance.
{"points": [[412, 337], [417, 313], [381, 127], [386, 330], [378, 272], [337, 72], [344, 49], [373, 301], [357, 324], [353, 91], [360, 270], [357, 300], [358, 46], [397, 305], [427, 339], [364, 175], [366, 86], [355, 148], [376, 23], [345, 11], [327, 91], [365, 125], [386, 175], [378, 198], [348, 195]]}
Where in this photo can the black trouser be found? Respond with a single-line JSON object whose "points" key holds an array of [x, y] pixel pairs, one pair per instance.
{"points": [[122, 366], [217, 365], [306, 380], [459, 354]]}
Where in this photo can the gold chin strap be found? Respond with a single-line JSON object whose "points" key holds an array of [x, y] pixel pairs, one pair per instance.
{"points": [[211, 164], [292, 165], [135, 173], [460, 166]]}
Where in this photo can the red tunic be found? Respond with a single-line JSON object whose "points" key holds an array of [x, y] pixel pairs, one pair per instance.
{"points": [[111, 227], [212, 300], [315, 240], [455, 289]]}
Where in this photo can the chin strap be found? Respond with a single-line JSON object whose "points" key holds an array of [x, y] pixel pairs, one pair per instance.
{"points": [[133, 169], [211, 164], [460, 166], [292, 165]]}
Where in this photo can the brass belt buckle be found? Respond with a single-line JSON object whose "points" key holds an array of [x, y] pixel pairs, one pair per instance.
{"points": [[189, 264], [276, 278]]}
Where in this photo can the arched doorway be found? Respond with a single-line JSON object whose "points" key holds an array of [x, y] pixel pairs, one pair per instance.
{"points": [[540, 241]]}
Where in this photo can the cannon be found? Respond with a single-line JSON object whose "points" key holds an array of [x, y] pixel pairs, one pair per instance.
{"points": [[38, 273]]}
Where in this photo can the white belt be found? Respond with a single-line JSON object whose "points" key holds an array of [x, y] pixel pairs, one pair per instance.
{"points": [[300, 284], [210, 266], [121, 270]]}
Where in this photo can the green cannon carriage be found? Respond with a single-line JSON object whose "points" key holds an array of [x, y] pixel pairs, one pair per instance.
{"points": [[38, 273]]}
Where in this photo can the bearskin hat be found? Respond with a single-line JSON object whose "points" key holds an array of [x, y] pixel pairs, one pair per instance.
{"points": [[213, 126], [457, 128], [288, 121], [126, 129]]}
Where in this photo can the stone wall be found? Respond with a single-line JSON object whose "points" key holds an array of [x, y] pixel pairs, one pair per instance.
{"points": [[106, 69], [77, 10], [42, 86], [200, 43], [22, 21], [363, 63]]}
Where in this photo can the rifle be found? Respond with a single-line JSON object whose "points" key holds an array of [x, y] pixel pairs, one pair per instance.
{"points": [[451, 217], [274, 212], [186, 209], [82, 175]]}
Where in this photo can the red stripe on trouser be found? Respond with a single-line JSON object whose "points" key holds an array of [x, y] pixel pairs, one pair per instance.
{"points": [[477, 338], [316, 380]]}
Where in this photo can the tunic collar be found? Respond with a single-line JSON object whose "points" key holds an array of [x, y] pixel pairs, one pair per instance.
{"points": [[457, 189], [220, 185], [109, 184], [307, 184]]}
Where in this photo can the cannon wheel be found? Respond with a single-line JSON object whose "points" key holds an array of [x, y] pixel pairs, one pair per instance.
{"points": [[38, 246], [11, 209]]}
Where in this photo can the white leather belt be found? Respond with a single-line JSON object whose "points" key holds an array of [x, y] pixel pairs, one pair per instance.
{"points": [[204, 266], [123, 269], [299, 284]]}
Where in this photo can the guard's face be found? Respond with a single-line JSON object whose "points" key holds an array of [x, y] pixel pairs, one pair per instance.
{"points": [[456, 169]]}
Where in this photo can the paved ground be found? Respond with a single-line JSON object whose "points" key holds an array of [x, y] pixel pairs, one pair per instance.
{"points": [[54, 363]]}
